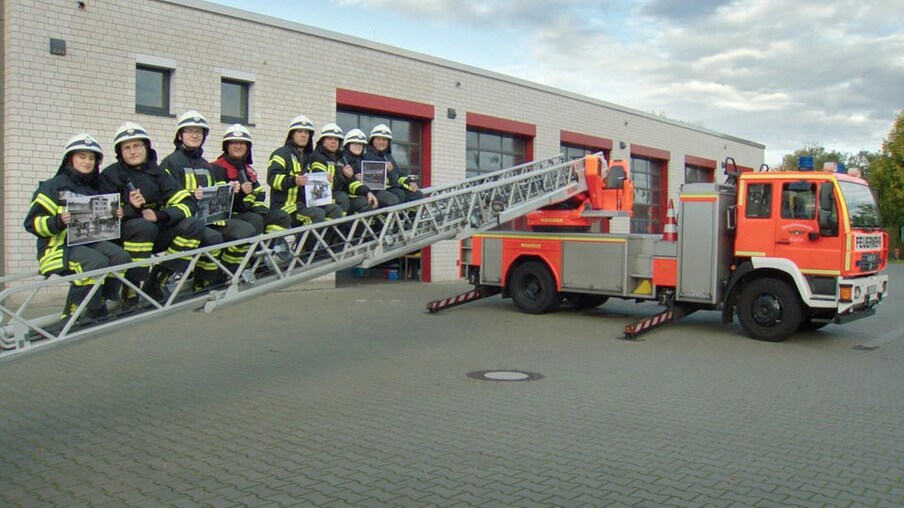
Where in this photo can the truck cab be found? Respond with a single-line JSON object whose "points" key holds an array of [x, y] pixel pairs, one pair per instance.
{"points": [[817, 232]]}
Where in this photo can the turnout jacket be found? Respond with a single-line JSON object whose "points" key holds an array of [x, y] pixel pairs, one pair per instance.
{"points": [[287, 162], [43, 219], [395, 177], [162, 193], [228, 170], [325, 162], [352, 186], [191, 170]]}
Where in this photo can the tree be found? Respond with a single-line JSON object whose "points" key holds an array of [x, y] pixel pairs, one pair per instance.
{"points": [[818, 152], [886, 177]]}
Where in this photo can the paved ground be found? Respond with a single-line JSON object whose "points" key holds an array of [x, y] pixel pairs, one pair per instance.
{"points": [[355, 397]]}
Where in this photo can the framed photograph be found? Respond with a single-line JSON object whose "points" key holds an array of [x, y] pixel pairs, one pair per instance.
{"points": [[215, 203], [92, 218], [318, 192], [373, 174]]}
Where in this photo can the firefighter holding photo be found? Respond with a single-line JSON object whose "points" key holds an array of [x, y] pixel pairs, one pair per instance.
{"points": [[48, 219], [349, 179], [379, 148], [287, 175], [187, 165], [325, 159], [157, 215], [234, 166]]}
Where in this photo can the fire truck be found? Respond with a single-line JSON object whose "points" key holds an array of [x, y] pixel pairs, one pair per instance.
{"points": [[782, 250]]}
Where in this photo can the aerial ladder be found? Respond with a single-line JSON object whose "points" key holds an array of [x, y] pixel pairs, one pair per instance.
{"points": [[282, 259]]}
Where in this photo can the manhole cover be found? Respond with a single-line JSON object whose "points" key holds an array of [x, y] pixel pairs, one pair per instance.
{"points": [[504, 375]]}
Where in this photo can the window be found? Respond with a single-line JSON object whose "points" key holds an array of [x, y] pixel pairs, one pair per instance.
{"points": [[647, 175], [152, 90], [406, 137], [574, 151], [234, 101], [759, 201], [697, 174], [799, 200], [488, 151]]}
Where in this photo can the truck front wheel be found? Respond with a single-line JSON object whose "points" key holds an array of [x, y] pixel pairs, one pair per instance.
{"points": [[533, 288], [769, 310]]}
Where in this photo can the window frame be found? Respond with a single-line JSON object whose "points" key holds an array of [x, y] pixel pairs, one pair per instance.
{"points": [[244, 98], [505, 139], [166, 93]]}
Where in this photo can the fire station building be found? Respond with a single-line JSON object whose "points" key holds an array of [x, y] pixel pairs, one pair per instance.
{"points": [[88, 66]]}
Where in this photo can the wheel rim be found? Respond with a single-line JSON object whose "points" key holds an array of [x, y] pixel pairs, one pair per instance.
{"points": [[531, 288], [767, 310]]}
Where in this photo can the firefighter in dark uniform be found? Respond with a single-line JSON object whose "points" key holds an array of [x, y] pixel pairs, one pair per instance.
{"points": [[157, 216], [234, 166], [379, 148], [349, 179], [325, 159], [188, 166], [49, 220], [287, 175]]}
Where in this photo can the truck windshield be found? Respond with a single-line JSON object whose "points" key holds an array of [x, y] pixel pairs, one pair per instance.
{"points": [[861, 205]]}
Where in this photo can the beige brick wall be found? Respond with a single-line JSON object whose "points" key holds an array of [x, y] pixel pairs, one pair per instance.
{"points": [[297, 70]]}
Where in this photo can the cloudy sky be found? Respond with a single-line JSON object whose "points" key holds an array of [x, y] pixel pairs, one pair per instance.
{"points": [[782, 73]]}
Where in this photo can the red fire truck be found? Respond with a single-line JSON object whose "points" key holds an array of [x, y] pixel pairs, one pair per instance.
{"points": [[785, 251]]}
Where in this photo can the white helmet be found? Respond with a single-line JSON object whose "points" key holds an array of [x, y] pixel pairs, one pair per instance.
{"points": [[191, 118], [129, 131], [330, 130], [301, 122], [354, 136], [83, 142], [237, 132], [382, 131]]}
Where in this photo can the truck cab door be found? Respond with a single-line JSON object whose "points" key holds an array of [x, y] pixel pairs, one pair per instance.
{"points": [[802, 229]]}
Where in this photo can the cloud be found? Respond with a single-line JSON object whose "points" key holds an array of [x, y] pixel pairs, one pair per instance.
{"points": [[681, 9], [827, 71]]}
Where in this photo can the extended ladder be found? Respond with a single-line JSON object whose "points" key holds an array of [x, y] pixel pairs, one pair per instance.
{"points": [[286, 258]]}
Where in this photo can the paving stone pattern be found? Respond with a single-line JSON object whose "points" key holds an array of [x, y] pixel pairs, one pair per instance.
{"points": [[355, 397]]}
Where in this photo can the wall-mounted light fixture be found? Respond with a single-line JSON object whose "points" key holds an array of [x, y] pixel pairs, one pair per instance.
{"points": [[622, 145], [451, 114]]}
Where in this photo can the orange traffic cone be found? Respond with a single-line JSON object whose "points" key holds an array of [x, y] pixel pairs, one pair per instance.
{"points": [[670, 229]]}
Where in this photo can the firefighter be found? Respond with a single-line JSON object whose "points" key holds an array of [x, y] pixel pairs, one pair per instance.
{"points": [[325, 159], [49, 219], [379, 148], [287, 175], [234, 166], [350, 178], [157, 215], [188, 166]]}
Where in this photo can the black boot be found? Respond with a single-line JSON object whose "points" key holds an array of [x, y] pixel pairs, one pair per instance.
{"points": [[202, 280], [155, 287]]}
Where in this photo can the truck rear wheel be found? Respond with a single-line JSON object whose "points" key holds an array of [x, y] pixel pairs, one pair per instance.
{"points": [[533, 288], [769, 310]]}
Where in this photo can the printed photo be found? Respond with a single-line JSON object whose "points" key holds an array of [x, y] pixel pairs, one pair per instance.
{"points": [[373, 174], [215, 204], [318, 192], [92, 218]]}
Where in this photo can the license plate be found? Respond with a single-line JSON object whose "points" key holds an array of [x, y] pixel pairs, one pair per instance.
{"points": [[871, 290]]}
